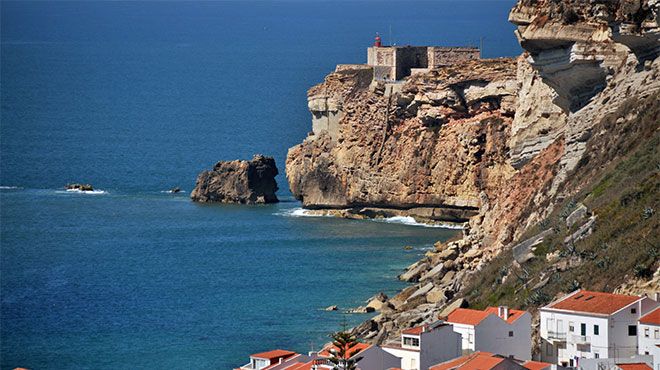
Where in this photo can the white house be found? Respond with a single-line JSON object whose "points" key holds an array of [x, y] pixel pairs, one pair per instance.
{"points": [[261, 360], [634, 366], [369, 357], [586, 324], [480, 361], [499, 330], [648, 336], [423, 346]]}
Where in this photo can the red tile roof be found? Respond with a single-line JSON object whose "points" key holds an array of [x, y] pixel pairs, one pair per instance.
{"points": [[594, 302], [636, 366], [652, 318], [467, 316], [359, 347], [271, 355], [474, 361], [474, 317], [513, 314], [417, 330], [536, 365]]}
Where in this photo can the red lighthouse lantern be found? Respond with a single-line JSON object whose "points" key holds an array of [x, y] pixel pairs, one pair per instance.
{"points": [[377, 41]]}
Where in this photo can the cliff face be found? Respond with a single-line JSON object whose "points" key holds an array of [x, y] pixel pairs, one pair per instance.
{"points": [[512, 141], [435, 141]]}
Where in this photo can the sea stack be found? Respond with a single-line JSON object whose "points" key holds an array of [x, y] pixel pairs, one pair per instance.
{"points": [[240, 181]]}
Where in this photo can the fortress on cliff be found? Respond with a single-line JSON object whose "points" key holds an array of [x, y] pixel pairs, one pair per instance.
{"points": [[397, 62]]}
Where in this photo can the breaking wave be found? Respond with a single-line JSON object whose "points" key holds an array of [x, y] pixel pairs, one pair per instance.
{"points": [[299, 212], [408, 220], [93, 192], [10, 187], [402, 220]]}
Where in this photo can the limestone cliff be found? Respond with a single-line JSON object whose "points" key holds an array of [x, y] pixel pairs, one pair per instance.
{"points": [[512, 141], [435, 141]]}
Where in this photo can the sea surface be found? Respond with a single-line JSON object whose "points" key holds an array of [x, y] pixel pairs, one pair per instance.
{"points": [[137, 98]]}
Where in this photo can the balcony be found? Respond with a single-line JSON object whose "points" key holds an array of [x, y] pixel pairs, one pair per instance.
{"points": [[556, 336], [581, 339]]}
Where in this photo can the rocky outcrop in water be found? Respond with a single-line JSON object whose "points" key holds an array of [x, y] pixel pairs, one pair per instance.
{"points": [[79, 187], [244, 182]]}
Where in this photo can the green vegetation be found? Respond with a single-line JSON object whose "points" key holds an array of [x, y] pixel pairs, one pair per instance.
{"points": [[619, 182], [343, 357]]}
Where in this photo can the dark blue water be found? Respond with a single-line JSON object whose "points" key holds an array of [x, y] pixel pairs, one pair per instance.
{"points": [[139, 97]]}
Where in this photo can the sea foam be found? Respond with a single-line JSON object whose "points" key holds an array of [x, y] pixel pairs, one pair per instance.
{"points": [[408, 220], [402, 220], [10, 187], [92, 192]]}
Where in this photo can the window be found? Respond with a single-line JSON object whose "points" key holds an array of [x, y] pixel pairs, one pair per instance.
{"points": [[412, 363], [411, 341], [596, 355], [548, 349], [646, 353], [632, 330], [646, 333], [583, 329], [571, 326], [633, 310], [560, 326], [510, 333], [596, 331], [657, 333]]}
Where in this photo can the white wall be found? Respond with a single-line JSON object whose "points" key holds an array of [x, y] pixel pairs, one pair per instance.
{"points": [[647, 337], [622, 344], [408, 357], [467, 336], [559, 322], [492, 335]]}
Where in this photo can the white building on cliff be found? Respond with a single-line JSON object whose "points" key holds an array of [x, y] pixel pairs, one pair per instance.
{"points": [[587, 324]]}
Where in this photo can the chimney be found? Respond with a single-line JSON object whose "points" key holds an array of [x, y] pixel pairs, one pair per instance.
{"points": [[503, 312], [423, 328]]}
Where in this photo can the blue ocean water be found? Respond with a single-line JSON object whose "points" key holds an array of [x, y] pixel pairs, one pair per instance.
{"points": [[138, 97]]}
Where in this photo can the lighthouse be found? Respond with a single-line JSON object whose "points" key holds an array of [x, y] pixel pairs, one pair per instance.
{"points": [[377, 41]]}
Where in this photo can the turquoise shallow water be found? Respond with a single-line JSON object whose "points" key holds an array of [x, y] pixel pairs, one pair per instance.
{"points": [[138, 97]]}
